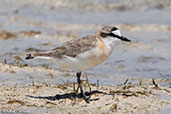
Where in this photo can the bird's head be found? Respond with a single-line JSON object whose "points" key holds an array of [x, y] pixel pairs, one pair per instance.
{"points": [[111, 33]]}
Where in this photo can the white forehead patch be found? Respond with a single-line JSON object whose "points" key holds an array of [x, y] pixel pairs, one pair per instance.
{"points": [[116, 32]]}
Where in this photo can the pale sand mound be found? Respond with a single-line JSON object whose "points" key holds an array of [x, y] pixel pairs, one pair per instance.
{"points": [[46, 98]]}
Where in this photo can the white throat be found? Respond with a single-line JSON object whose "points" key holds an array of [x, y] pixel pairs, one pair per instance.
{"points": [[110, 41]]}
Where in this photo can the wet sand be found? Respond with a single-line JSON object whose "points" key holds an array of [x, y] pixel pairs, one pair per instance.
{"points": [[36, 97]]}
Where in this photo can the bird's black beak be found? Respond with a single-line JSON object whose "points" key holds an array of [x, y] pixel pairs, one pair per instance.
{"points": [[116, 36], [124, 39], [120, 37]]}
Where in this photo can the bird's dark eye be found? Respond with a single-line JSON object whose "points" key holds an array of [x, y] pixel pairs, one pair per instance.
{"points": [[103, 34]]}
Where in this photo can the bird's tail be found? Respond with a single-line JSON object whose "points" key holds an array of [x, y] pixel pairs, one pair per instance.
{"points": [[29, 56]]}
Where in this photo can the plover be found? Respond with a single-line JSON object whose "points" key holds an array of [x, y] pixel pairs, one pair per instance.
{"points": [[83, 53]]}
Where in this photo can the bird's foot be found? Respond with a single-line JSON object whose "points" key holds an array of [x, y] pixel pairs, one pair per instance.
{"points": [[85, 97]]}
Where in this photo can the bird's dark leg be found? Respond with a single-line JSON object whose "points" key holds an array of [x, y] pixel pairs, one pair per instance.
{"points": [[81, 89]]}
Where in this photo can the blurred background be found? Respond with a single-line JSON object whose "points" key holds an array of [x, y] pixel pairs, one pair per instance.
{"points": [[34, 25]]}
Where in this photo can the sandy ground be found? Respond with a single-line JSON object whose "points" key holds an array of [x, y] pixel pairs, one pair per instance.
{"points": [[64, 98]]}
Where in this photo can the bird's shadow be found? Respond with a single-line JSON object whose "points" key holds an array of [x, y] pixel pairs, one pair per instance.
{"points": [[68, 96]]}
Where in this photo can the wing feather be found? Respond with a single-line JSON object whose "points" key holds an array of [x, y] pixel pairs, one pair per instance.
{"points": [[71, 48]]}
